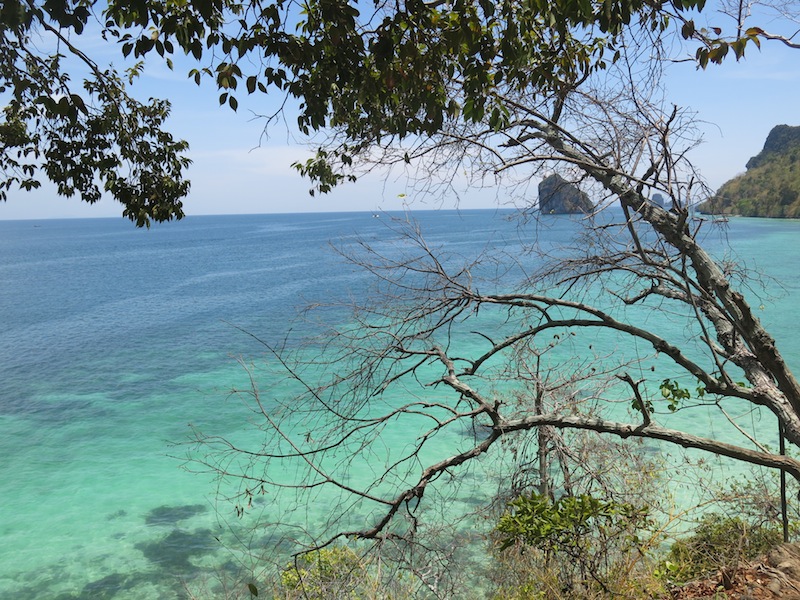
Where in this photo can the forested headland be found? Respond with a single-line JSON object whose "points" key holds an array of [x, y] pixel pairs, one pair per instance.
{"points": [[770, 187]]}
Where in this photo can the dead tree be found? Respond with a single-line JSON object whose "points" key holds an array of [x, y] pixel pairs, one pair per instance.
{"points": [[482, 350]]}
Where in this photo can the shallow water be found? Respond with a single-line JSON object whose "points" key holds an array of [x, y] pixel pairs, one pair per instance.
{"points": [[113, 340]]}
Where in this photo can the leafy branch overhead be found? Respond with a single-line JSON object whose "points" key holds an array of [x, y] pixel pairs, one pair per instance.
{"points": [[89, 138], [372, 71]]}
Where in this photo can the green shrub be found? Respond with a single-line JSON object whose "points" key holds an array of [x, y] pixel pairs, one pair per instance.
{"points": [[719, 543], [340, 573], [335, 572], [585, 542]]}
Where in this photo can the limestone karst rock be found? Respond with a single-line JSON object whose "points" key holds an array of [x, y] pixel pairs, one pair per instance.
{"points": [[771, 185], [557, 196]]}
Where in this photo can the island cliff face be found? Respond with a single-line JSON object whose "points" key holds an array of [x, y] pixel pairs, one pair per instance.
{"points": [[771, 185], [559, 197]]}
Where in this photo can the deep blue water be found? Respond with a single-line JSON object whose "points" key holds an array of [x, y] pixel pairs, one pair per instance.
{"points": [[113, 340]]}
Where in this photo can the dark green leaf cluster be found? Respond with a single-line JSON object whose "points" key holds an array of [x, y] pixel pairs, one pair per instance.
{"points": [[319, 169], [674, 394], [581, 537], [374, 71], [88, 138], [563, 525], [714, 48]]}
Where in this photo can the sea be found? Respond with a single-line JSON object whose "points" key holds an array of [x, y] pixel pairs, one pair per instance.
{"points": [[116, 344]]}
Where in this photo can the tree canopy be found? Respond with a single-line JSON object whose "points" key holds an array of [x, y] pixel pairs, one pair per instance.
{"points": [[87, 138], [368, 70]]}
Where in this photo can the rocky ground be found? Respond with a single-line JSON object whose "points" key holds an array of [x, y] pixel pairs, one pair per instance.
{"points": [[777, 575]]}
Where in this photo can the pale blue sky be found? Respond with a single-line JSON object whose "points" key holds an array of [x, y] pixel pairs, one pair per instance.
{"points": [[738, 102]]}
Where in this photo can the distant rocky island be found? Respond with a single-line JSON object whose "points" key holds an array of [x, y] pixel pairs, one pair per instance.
{"points": [[658, 200], [771, 185], [557, 196]]}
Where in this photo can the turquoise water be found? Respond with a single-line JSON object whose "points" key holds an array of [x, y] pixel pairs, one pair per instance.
{"points": [[114, 340]]}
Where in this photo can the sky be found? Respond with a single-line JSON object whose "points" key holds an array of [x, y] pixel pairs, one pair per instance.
{"points": [[236, 171]]}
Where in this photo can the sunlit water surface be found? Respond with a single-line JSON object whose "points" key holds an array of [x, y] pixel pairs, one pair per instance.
{"points": [[113, 340]]}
